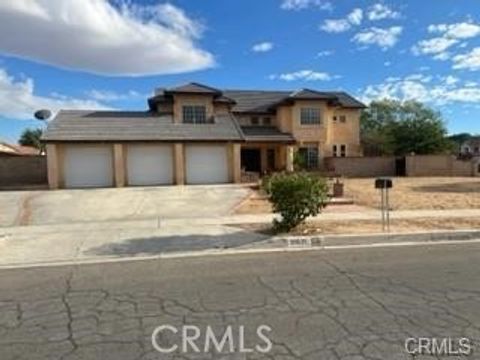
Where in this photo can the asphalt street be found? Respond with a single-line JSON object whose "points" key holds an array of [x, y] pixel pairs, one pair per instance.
{"points": [[346, 304]]}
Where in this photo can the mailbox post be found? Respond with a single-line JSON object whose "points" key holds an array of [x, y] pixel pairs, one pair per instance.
{"points": [[384, 184]]}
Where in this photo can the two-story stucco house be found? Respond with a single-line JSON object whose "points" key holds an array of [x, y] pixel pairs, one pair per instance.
{"points": [[195, 134]]}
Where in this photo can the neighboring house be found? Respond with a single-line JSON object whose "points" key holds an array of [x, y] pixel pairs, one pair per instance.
{"points": [[195, 134], [471, 147], [7, 149]]}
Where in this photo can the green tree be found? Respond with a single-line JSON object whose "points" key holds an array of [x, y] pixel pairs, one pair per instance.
{"points": [[296, 196], [458, 140], [31, 137], [391, 127]]}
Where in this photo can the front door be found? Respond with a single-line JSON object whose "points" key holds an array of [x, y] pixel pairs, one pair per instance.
{"points": [[251, 160]]}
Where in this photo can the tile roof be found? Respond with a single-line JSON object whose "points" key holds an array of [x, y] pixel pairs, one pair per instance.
{"points": [[265, 134], [255, 100], [265, 101], [136, 126], [194, 88], [19, 150]]}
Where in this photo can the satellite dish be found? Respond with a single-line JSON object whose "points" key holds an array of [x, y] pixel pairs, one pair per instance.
{"points": [[43, 114]]}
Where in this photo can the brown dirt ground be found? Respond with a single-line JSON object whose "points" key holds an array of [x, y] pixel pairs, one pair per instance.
{"points": [[370, 226], [427, 193]]}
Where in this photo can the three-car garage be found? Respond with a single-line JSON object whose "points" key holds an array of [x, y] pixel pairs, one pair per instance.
{"points": [[144, 164]]}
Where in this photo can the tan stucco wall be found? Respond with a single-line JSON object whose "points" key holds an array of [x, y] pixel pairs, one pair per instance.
{"points": [[55, 158], [325, 134], [234, 162], [439, 165], [181, 100], [221, 109], [179, 163], [119, 165], [245, 119]]}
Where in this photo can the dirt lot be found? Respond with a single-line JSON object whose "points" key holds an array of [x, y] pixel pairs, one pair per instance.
{"points": [[419, 193], [429, 193], [368, 227]]}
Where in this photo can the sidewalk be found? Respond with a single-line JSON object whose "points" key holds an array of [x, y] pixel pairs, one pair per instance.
{"points": [[75, 242]]}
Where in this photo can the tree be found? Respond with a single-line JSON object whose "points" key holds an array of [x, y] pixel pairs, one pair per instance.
{"points": [[31, 137], [296, 196], [459, 139], [391, 127]]}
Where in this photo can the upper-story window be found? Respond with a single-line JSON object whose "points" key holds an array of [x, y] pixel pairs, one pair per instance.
{"points": [[340, 118], [267, 121], [194, 114], [310, 116], [255, 120]]}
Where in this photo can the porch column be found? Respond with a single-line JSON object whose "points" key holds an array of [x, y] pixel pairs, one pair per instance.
{"points": [[235, 161], [179, 163], [119, 165], [263, 159], [289, 160], [53, 166]]}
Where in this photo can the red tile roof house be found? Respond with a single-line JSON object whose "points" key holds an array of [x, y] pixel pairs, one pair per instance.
{"points": [[196, 134]]}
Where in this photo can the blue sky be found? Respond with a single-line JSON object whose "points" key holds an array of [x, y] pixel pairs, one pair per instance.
{"points": [[85, 54]]}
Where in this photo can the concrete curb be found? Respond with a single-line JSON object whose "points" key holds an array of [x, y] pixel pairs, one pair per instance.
{"points": [[379, 238], [288, 244]]}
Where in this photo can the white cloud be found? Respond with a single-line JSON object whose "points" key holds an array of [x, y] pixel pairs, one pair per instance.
{"points": [[110, 96], [305, 4], [384, 38], [335, 26], [97, 37], [443, 56], [450, 35], [325, 53], [433, 46], [463, 30], [439, 91], [341, 25], [468, 61], [355, 17], [381, 11], [262, 47], [19, 101], [305, 75]]}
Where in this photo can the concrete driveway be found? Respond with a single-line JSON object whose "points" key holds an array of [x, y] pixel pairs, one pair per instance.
{"points": [[20, 208]]}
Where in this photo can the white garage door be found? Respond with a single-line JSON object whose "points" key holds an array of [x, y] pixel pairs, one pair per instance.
{"points": [[88, 166], [206, 164], [149, 165]]}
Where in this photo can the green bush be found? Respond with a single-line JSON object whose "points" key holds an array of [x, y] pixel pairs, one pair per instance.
{"points": [[296, 196]]}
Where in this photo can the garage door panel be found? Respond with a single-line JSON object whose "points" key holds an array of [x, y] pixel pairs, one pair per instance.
{"points": [[206, 164], [88, 166], [149, 165]]}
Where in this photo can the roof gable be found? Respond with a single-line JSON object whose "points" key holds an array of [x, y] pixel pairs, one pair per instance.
{"points": [[309, 94], [194, 87]]}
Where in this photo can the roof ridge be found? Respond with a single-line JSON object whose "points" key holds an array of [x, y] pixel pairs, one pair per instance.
{"points": [[195, 84]]}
